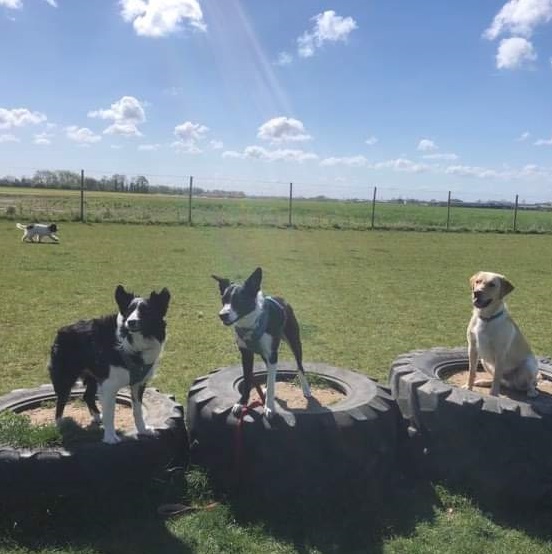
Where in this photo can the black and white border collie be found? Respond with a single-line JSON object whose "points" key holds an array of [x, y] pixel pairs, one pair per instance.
{"points": [[38, 230], [109, 353], [260, 323]]}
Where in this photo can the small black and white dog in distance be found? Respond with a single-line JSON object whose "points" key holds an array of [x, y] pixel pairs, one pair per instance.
{"points": [[38, 230], [109, 353], [260, 323]]}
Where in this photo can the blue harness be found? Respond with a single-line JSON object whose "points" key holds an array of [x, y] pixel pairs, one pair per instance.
{"points": [[271, 309]]}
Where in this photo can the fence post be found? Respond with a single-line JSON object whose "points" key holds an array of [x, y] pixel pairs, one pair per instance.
{"points": [[82, 196], [515, 213], [448, 211], [190, 201], [290, 203], [374, 206]]}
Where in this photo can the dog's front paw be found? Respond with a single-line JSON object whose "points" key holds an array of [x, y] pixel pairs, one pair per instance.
{"points": [[111, 438], [146, 431], [237, 409], [268, 413]]}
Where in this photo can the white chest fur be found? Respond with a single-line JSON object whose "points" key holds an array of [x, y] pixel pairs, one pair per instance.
{"points": [[493, 338]]}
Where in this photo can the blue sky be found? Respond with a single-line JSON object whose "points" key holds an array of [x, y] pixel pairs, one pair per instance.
{"points": [[415, 97]]}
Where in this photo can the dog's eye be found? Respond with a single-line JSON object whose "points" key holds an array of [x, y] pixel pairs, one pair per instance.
{"points": [[491, 285]]}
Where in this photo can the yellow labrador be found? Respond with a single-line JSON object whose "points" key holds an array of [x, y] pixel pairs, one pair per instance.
{"points": [[496, 340]]}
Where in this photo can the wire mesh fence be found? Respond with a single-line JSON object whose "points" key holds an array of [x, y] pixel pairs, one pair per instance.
{"points": [[188, 200]]}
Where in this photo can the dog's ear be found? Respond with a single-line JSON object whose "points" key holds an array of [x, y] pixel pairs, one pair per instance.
{"points": [[161, 300], [222, 282], [123, 298], [473, 279], [505, 287], [253, 282]]}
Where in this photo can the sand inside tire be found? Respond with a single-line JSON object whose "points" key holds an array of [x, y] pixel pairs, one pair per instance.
{"points": [[290, 396], [460, 378], [78, 412]]}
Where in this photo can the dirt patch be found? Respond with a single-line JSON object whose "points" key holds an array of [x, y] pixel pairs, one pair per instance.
{"points": [[78, 412], [460, 378], [290, 396]]}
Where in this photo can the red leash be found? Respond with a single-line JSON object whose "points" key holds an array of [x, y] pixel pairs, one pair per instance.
{"points": [[238, 438]]}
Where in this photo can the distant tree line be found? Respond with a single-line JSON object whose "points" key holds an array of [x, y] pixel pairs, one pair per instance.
{"points": [[70, 180]]}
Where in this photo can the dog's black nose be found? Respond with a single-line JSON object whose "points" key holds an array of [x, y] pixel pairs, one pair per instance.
{"points": [[223, 317], [477, 294]]}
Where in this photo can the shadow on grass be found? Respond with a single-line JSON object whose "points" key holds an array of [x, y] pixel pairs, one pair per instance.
{"points": [[348, 524], [122, 520]]}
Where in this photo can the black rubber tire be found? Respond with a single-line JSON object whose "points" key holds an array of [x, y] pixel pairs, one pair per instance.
{"points": [[494, 446], [92, 466], [299, 454]]}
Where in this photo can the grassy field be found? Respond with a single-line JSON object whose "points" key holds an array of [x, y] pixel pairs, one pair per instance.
{"points": [[56, 205], [362, 298]]}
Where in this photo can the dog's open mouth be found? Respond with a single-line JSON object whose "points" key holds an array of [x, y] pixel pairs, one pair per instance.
{"points": [[481, 303]]}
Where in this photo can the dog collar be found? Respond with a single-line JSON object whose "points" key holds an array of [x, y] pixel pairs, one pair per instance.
{"points": [[487, 319], [252, 337]]}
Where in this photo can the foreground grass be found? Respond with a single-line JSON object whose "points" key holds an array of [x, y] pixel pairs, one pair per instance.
{"points": [[361, 297]]}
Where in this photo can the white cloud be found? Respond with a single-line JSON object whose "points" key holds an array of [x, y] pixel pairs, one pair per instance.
{"points": [[519, 17], [514, 53], [123, 129], [159, 18], [533, 170], [116, 146], [261, 153], [127, 113], [474, 171], [443, 156], [18, 117], [284, 58], [8, 138], [524, 136], [12, 4], [426, 145], [328, 27], [283, 129], [232, 154], [149, 147], [370, 141], [186, 147], [402, 164], [543, 142], [216, 144], [190, 132], [82, 135], [18, 4], [42, 139], [351, 161], [188, 135]]}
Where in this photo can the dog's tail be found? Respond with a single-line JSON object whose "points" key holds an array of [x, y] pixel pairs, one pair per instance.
{"points": [[19, 226]]}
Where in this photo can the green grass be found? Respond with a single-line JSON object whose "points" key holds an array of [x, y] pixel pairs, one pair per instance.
{"points": [[362, 298], [17, 431], [58, 205]]}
